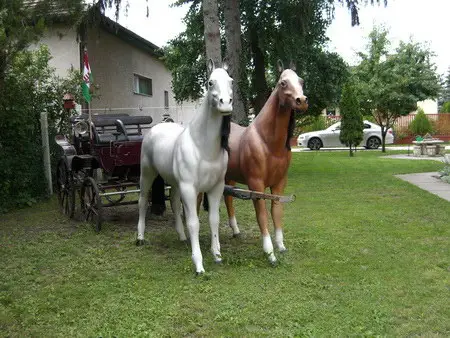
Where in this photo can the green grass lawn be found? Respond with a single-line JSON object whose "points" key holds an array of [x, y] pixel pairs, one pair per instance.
{"points": [[368, 256]]}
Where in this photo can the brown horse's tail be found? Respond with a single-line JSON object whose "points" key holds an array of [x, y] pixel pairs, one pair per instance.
{"points": [[205, 202], [158, 196]]}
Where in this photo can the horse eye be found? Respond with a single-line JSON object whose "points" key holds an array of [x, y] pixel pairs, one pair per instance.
{"points": [[283, 84], [210, 83]]}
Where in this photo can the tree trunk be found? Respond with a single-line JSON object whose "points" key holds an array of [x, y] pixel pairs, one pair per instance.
{"points": [[212, 33], [234, 46], [383, 138], [259, 83], [351, 151]]}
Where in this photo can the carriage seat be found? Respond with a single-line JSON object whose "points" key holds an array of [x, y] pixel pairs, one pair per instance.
{"points": [[123, 129]]}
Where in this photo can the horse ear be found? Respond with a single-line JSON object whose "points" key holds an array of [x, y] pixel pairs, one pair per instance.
{"points": [[292, 66], [210, 66], [225, 64], [280, 66]]}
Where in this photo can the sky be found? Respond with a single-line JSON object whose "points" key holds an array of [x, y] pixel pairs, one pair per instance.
{"points": [[405, 19]]}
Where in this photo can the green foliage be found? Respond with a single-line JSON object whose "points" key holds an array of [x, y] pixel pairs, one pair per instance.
{"points": [[352, 125], [29, 89], [390, 85], [309, 123], [446, 107], [444, 173], [421, 125], [271, 28], [445, 94]]}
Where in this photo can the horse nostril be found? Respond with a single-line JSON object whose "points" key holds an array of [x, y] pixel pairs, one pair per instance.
{"points": [[221, 100], [231, 100], [300, 100]]}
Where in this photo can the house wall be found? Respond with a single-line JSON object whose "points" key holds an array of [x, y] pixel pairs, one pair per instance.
{"points": [[65, 50], [113, 64], [428, 106]]}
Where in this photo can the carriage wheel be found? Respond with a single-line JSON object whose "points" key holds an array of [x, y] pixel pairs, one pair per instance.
{"points": [[65, 189], [91, 203]]}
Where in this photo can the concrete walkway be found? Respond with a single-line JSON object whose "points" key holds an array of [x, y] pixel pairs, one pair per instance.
{"points": [[429, 182], [411, 157]]}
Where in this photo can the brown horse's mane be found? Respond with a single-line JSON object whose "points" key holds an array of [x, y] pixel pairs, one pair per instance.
{"points": [[290, 131], [225, 132]]}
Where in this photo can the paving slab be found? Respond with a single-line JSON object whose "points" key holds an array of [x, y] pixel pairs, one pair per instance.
{"points": [[430, 182]]}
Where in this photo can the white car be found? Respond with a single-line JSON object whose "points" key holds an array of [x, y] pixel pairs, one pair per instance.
{"points": [[329, 138]]}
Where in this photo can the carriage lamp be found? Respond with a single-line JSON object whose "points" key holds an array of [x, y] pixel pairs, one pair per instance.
{"points": [[69, 101], [81, 127]]}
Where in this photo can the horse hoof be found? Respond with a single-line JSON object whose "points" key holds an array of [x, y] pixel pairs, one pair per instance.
{"points": [[283, 250], [200, 273], [272, 258], [140, 242], [274, 263], [218, 259], [238, 235]]}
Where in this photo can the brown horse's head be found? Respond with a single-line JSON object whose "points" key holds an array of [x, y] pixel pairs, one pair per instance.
{"points": [[290, 90]]}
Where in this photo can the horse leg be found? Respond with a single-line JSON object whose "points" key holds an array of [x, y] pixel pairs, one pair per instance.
{"points": [[214, 196], [189, 199], [148, 174], [231, 213], [175, 203], [277, 215], [262, 217]]}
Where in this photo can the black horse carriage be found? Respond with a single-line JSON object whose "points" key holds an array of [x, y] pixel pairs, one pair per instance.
{"points": [[101, 164]]}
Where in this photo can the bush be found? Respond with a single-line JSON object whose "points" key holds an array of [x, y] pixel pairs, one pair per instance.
{"points": [[445, 107], [352, 125], [421, 125], [29, 89], [312, 123]]}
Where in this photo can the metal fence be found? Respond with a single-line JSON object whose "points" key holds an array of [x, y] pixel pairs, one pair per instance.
{"points": [[440, 122]]}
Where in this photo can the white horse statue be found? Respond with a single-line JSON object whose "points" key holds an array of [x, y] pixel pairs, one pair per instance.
{"points": [[192, 160]]}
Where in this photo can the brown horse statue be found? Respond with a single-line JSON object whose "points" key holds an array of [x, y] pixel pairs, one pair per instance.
{"points": [[260, 154]]}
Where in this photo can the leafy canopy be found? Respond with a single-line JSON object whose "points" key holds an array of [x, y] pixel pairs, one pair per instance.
{"points": [[271, 30], [389, 85]]}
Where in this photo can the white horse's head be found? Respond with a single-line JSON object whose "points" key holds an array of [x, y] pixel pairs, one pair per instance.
{"points": [[220, 89]]}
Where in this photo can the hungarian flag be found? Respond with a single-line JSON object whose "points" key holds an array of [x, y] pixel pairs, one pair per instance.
{"points": [[87, 78]]}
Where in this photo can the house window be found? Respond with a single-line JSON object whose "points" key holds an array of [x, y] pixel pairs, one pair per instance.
{"points": [[166, 99], [142, 85]]}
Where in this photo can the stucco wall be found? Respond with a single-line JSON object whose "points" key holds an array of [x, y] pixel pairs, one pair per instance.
{"points": [[65, 50], [113, 64]]}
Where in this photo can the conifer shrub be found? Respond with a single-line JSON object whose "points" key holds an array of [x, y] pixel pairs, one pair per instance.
{"points": [[421, 125]]}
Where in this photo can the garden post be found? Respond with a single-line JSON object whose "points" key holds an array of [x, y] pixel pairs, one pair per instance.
{"points": [[46, 151]]}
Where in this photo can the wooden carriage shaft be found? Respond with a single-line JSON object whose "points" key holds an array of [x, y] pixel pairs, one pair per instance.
{"points": [[235, 192], [120, 192]]}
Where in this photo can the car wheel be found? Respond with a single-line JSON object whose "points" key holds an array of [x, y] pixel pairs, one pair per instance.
{"points": [[373, 142], [315, 143]]}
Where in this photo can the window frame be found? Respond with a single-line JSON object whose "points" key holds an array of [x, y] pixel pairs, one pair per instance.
{"points": [[136, 84], [166, 99]]}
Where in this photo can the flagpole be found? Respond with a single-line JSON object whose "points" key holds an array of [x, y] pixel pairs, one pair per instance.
{"points": [[86, 94]]}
